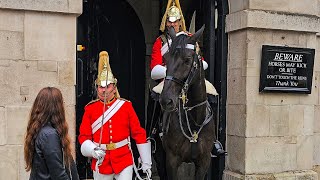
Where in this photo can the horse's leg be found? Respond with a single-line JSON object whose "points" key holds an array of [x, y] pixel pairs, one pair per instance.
{"points": [[202, 165], [172, 165]]}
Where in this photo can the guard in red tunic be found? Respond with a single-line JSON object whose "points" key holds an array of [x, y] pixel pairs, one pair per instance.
{"points": [[173, 17], [106, 128]]}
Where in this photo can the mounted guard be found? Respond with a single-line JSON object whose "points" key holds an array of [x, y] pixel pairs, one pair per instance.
{"points": [[156, 125]]}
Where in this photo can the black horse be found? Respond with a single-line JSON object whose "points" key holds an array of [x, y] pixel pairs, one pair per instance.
{"points": [[189, 131]]}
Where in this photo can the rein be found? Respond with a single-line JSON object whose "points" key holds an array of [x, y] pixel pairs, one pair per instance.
{"points": [[195, 134]]}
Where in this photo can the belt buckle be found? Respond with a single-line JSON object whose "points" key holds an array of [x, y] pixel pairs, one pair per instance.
{"points": [[111, 146]]}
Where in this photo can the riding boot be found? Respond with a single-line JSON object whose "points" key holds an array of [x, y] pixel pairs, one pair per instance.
{"points": [[160, 159], [217, 148], [153, 128], [153, 112]]}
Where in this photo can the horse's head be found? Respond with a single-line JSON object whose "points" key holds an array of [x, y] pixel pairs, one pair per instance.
{"points": [[182, 65]]}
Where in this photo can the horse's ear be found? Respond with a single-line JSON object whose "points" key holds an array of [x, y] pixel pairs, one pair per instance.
{"points": [[172, 33], [194, 38]]}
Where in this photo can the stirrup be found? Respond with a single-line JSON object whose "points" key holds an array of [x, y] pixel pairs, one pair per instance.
{"points": [[218, 150]]}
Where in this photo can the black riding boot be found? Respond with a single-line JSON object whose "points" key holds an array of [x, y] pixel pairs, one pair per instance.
{"points": [[160, 159], [154, 117], [217, 148]]}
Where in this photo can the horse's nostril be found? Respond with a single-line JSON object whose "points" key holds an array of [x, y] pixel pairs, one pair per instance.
{"points": [[166, 103]]}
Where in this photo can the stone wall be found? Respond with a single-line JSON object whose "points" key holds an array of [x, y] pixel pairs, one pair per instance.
{"points": [[38, 40], [270, 135]]}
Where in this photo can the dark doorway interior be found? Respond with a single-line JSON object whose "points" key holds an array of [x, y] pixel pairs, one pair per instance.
{"points": [[112, 26]]}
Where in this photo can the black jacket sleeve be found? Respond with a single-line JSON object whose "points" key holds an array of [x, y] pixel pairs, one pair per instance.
{"points": [[52, 152]]}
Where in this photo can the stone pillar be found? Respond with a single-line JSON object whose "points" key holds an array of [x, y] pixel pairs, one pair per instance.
{"points": [[270, 135], [38, 49]]}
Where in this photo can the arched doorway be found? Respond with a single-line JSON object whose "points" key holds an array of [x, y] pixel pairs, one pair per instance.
{"points": [[115, 27]]}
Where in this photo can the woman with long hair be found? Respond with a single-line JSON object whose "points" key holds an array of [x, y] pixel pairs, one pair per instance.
{"points": [[47, 149]]}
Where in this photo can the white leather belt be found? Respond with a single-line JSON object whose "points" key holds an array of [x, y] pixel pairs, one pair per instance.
{"points": [[113, 146]]}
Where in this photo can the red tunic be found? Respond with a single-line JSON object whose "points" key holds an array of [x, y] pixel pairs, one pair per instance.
{"points": [[156, 58], [122, 124]]}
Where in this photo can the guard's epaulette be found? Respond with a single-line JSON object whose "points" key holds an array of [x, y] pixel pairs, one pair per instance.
{"points": [[124, 99], [92, 101]]}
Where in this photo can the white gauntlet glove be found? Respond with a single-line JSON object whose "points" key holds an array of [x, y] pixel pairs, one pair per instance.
{"points": [[145, 155], [158, 72], [89, 149]]}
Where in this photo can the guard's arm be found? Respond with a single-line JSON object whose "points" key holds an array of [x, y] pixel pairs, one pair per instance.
{"points": [[156, 57], [88, 148], [139, 135]]}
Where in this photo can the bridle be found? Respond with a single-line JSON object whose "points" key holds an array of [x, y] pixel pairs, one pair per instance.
{"points": [[183, 96], [186, 84]]}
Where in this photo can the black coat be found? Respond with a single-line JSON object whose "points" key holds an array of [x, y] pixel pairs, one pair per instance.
{"points": [[48, 161]]}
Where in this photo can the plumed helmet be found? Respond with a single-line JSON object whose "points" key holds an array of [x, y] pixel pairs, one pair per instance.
{"points": [[105, 75], [173, 13]]}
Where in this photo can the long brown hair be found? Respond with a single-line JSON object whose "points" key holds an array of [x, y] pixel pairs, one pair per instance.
{"points": [[47, 107]]}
